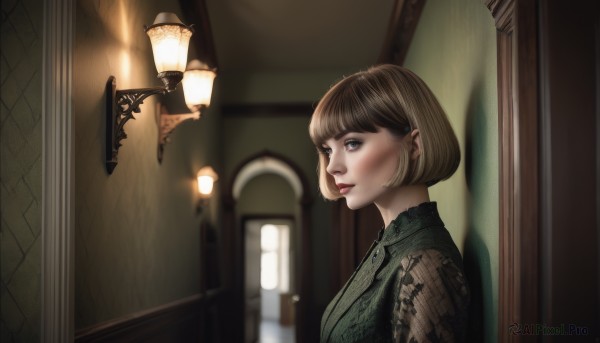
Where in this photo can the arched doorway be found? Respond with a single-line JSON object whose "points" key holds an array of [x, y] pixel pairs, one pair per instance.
{"points": [[267, 162]]}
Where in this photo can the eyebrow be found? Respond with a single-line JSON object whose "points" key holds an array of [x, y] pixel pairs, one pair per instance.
{"points": [[341, 134]]}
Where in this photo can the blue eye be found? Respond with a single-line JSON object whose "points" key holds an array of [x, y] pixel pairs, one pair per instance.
{"points": [[352, 144]]}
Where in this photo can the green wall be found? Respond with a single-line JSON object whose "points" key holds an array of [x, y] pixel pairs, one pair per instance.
{"points": [[20, 170], [454, 51], [267, 194], [136, 231]]}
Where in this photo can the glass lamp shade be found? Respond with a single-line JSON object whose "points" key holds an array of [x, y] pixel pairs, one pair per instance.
{"points": [[206, 179], [197, 85], [170, 39]]}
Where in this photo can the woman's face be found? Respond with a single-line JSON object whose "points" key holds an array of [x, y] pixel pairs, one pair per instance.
{"points": [[362, 163]]}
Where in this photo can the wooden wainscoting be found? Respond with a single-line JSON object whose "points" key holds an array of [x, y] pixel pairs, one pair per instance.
{"points": [[192, 319]]}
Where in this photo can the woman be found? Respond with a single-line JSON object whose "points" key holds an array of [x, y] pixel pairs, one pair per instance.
{"points": [[384, 139]]}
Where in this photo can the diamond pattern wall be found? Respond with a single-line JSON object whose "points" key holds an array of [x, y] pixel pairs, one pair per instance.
{"points": [[20, 170]]}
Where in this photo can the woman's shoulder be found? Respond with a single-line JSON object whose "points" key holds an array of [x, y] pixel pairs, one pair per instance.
{"points": [[432, 238], [430, 264]]}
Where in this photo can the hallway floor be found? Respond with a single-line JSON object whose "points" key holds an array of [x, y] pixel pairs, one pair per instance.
{"points": [[272, 332]]}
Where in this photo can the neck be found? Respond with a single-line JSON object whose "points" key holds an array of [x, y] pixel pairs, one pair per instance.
{"points": [[400, 199]]}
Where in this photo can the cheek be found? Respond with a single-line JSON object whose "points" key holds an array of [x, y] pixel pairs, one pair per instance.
{"points": [[380, 164]]}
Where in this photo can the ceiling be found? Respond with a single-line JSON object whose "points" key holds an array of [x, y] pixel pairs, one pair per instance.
{"points": [[297, 35]]}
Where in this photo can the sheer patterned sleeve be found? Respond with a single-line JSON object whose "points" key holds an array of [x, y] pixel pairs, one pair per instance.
{"points": [[432, 301]]}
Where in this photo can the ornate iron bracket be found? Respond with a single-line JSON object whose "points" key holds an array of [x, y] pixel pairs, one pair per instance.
{"points": [[168, 123], [120, 107]]}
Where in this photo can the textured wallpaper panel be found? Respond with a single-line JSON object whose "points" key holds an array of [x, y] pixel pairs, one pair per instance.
{"points": [[20, 171]]}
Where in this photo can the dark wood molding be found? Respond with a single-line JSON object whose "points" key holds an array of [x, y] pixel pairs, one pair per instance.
{"points": [[503, 14], [402, 25], [151, 325], [268, 109], [196, 13], [518, 92], [140, 324]]}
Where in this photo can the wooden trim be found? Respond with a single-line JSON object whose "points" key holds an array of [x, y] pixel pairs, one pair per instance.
{"points": [[402, 26], [57, 313], [268, 110], [519, 287], [143, 325]]}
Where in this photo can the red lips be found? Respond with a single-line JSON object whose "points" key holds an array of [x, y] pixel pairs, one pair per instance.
{"points": [[344, 188]]}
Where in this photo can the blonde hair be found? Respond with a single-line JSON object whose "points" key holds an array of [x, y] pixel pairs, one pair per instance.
{"points": [[395, 98]]}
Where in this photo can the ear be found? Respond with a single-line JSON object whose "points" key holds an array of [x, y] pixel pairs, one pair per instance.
{"points": [[416, 144]]}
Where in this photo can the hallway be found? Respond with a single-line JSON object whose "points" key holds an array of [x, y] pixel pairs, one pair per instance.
{"points": [[141, 254], [273, 332]]}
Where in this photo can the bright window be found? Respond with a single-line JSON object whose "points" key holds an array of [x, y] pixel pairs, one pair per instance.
{"points": [[269, 261]]}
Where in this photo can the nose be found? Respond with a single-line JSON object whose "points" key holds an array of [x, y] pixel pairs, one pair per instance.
{"points": [[336, 165]]}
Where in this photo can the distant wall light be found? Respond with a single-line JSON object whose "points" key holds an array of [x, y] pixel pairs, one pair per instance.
{"points": [[206, 178], [170, 39], [205, 185]]}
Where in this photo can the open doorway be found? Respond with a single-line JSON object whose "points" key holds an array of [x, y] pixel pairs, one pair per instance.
{"points": [[269, 264], [266, 183]]}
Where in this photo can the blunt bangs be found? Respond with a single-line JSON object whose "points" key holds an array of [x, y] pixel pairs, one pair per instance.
{"points": [[343, 109]]}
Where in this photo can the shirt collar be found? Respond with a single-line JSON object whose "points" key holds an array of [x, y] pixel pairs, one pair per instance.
{"points": [[411, 221]]}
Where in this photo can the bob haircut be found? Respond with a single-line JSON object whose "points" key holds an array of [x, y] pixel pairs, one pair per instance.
{"points": [[395, 98]]}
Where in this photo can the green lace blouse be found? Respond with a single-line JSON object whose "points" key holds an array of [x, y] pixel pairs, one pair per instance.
{"points": [[410, 287]]}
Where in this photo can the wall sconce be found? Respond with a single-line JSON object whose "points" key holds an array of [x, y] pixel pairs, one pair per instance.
{"points": [[197, 85], [197, 89], [170, 40], [206, 178]]}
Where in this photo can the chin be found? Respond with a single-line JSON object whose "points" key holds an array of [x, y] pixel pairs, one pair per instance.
{"points": [[356, 205]]}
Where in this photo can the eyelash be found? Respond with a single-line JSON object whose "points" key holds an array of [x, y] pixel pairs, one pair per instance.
{"points": [[354, 142], [350, 144], [325, 151]]}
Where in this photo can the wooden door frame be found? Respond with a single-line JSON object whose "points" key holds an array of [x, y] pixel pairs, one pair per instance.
{"points": [[518, 114], [233, 247]]}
